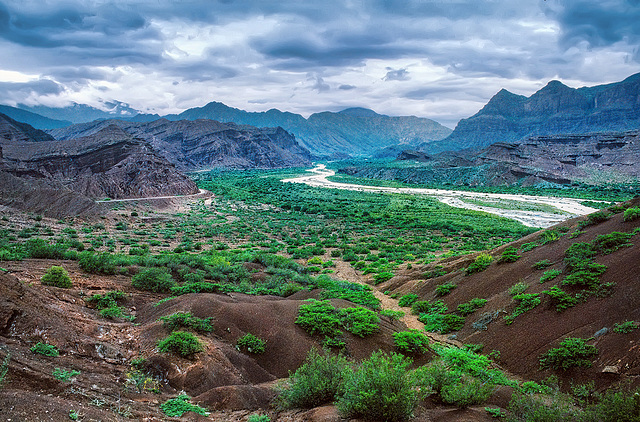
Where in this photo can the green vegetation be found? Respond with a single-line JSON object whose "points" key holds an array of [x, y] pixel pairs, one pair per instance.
{"points": [[571, 353], [392, 314], [541, 265], [481, 263], [154, 280], [381, 388], [186, 320], [107, 304], [182, 343], [180, 405], [510, 254], [550, 275], [561, 299], [445, 289], [315, 383], [632, 213], [412, 341], [321, 317], [45, 349], [407, 300], [518, 288], [57, 277], [64, 375], [470, 307], [625, 327], [495, 412], [258, 418], [526, 302], [4, 368], [251, 344]]}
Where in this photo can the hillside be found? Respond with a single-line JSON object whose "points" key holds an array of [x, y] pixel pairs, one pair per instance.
{"points": [[33, 119], [609, 299], [554, 109], [203, 144]]}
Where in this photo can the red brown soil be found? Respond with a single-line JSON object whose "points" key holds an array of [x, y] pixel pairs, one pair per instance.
{"points": [[536, 331]]}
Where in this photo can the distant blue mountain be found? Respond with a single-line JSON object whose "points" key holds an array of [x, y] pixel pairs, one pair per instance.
{"points": [[82, 113], [33, 119]]}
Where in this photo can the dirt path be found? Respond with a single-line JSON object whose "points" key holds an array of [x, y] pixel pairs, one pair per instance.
{"points": [[569, 207], [345, 271], [201, 192]]}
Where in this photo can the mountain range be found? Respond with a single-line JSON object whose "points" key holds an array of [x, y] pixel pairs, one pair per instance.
{"points": [[553, 110]]}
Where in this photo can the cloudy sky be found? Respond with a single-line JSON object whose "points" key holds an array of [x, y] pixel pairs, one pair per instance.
{"points": [[432, 58]]}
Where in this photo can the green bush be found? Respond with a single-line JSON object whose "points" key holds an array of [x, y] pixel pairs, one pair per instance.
{"points": [[251, 344], [57, 277], [614, 405], [510, 254], [526, 302], [518, 289], [594, 218], [382, 388], [97, 263], [443, 324], [541, 265], [481, 263], [535, 408], [392, 314], [445, 289], [560, 298], [112, 312], [632, 213], [318, 317], [180, 405], [198, 287], [470, 307], [625, 327], [407, 300], [258, 418], [611, 242], [45, 349], [466, 391], [550, 275], [315, 383], [182, 343], [359, 321], [572, 352], [64, 375], [382, 277], [154, 280], [186, 320], [412, 341], [428, 307]]}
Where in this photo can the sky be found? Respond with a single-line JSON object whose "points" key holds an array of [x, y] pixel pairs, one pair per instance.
{"points": [[438, 59]]}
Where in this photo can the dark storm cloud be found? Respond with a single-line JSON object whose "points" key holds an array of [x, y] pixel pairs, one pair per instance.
{"points": [[599, 23], [16, 91]]}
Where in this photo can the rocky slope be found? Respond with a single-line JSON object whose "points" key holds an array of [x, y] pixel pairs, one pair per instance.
{"points": [[110, 163], [557, 159], [203, 144], [555, 109], [33, 119], [15, 131], [354, 131]]}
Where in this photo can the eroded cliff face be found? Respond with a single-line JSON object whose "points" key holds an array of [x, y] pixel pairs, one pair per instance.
{"points": [[555, 109], [203, 144], [110, 163]]}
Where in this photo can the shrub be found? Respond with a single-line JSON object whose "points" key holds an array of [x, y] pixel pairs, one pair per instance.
{"points": [[560, 298], [359, 321], [550, 275], [632, 213], [495, 412], [412, 341], [518, 288], [445, 288], [466, 392], [251, 344], [481, 263], [593, 219], [182, 343], [572, 352], [392, 314], [97, 263], [541, 265], [510, 254], [318, 317], [198, 287], [180, 405], [611, 242], [107, 300], [186, 320], [64, 375], [382, 277], [112, 312], [614, 405], [45, 349], [625, 327], [315, 383], [382, 388], [470, 307], [153, 279], [535, 408], [427, 307], [407, 300], [258, 418], [57, 277], [527, 301], [443, 324]]}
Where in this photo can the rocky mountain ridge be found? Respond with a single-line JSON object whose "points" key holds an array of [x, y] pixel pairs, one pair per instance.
{"points": [[204, 144], [553, 110]]}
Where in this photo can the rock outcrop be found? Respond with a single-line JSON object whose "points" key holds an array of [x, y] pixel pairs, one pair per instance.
{"points": [[555, 109], [110, 163], [204, 144]]}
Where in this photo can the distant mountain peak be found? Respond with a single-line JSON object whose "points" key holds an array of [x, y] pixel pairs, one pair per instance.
{"points": [[359, 112]]}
